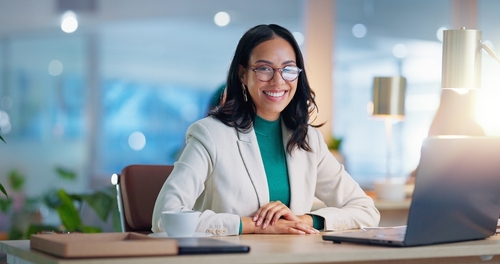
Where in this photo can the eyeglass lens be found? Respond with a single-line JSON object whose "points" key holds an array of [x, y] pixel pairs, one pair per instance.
{"points": [[266, 73]]}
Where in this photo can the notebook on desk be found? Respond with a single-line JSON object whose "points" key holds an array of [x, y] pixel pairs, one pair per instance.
{"points": [[456, 196]]}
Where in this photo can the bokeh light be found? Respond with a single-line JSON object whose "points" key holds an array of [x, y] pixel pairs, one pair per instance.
{"points": [[137, 141], [55, 67], [359, 30], [299, 37], [439, 33], [399, 51], [222, 19], [69, 22]]}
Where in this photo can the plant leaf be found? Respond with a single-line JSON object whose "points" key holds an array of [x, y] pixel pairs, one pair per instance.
{"points": [[90, 229], [65, 174], [5, 205], [16, 180], [67, 212], [3, 190], [101, 202], [15, 234], [51, 199]]}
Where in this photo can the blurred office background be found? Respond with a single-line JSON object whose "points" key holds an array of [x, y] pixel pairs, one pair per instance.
{"points": [[124, 86]]}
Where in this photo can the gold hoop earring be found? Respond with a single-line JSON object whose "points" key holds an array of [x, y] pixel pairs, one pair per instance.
{"points": [[245, 98]]}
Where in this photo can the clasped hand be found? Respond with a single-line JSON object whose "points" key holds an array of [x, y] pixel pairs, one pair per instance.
{"points": [[277, 218]]}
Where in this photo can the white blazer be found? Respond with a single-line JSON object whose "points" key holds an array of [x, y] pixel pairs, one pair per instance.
{"points": [[221, 174]]}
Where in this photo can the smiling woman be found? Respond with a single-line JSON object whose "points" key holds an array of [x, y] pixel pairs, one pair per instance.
{"points": [[256, 164]]}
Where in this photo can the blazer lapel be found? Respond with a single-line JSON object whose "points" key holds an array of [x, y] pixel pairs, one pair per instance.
{"points": [[250, 153], [296, 172]]}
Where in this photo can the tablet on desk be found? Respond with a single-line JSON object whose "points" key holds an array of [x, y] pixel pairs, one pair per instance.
{"points": [[206, 245]]}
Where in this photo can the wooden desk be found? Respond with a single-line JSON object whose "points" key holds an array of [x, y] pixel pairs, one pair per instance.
{"points": [[290, 249]]}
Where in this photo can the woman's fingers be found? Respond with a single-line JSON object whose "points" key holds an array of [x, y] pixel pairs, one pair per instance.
{"points": [[270, 213], [262, 212], [288, 227], [301, 228]]}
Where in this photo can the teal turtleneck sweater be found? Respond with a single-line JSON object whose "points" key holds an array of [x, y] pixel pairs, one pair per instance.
{"points": [[270, 142], [272, 150]]}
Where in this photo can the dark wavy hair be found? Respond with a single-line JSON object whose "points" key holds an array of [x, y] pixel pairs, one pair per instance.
{"points": [[235, 112]]}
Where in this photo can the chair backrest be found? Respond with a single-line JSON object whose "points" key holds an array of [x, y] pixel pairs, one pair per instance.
{"points": [[137, 189]]}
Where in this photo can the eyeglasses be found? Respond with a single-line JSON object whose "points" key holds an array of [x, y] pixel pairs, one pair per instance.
{"points": [[266, 73]]}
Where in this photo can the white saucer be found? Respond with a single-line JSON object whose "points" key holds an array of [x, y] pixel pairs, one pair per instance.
{"points": [[165, 235]]}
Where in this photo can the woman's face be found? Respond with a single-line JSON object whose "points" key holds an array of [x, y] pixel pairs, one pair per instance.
{"points": [[271, 97]]}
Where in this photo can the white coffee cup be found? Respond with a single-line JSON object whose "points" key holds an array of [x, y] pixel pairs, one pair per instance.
{"points": [[180, 223], [392, 189]]}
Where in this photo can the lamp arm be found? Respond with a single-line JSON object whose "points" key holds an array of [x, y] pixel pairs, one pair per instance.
{"points": [[491, 52]]}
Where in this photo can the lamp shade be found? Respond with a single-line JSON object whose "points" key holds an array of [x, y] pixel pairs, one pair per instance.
{"points": [[389, 97], [461, 59]]}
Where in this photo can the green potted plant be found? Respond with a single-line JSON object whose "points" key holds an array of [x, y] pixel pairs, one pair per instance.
{"points": [[334, 146], [26, 219], [103, 202], [18, 208], [335, 143]]}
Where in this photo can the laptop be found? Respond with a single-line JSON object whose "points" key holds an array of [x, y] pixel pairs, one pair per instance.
{"points": [[456, 196], [206, 245]]}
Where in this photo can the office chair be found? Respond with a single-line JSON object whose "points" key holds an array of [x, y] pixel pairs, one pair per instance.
{"points": [[137, 188]]}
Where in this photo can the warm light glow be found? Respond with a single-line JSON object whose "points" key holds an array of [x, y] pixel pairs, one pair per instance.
{"points": [[69, 22], [222, 19], [460, 90], [488, 111], [452, 136], [395, 118], [369, 108]]}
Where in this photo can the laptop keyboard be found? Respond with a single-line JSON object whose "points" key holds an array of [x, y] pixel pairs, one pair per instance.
{"points": [[397, 233]]}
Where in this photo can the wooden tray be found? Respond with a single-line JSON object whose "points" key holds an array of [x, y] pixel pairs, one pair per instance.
{"points": [[102, 245]]}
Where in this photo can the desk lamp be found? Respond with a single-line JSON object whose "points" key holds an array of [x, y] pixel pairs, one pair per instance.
{"points": [[461, 82], [389, 105], [462, 59]]}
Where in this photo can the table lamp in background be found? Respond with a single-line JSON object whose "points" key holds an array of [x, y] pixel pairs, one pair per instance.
{"points": [[462, 54], [389, 106]]}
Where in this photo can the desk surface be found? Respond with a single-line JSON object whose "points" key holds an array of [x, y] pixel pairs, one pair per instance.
{"points": [[289, 249]]}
